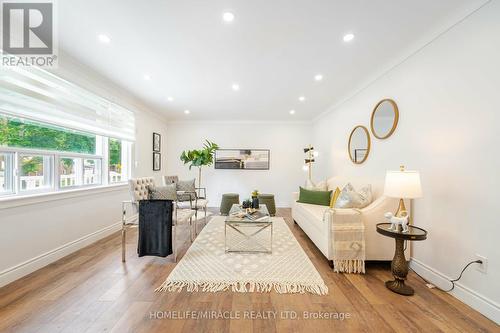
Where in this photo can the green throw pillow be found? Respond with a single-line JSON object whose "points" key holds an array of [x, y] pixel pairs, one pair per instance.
{"points": [[315, 197]]}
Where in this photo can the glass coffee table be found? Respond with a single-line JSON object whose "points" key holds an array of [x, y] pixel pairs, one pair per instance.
{"points": [[248, 231]]}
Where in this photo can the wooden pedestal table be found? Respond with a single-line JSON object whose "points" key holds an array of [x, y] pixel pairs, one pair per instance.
{"points": [[399, 266]]}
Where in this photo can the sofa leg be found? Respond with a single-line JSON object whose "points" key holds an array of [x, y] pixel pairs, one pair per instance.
{"points": [[330, 263]]}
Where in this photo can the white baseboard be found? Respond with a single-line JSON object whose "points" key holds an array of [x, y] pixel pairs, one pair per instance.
{"points": [[16, 272], [476, 301]]}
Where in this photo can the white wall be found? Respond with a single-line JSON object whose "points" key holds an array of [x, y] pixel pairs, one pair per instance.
{"points": [[448, 97], [35, 234], [285, 140]]}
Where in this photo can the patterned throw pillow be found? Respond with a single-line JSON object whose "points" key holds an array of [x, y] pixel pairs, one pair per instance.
{"points": [[167, 192], [350, 198], [188, 186], [311, 186]]}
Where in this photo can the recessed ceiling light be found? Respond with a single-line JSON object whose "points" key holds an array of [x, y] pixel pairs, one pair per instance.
{"points": [[348, 37], [228, 17], [170, 98], [318, 77], [302, 98], [235, 87], [146, 77], [104, 39], [292, 111], [187, 111]]}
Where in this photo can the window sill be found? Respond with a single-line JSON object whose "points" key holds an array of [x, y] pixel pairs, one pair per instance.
{"points": [[23, 200]]}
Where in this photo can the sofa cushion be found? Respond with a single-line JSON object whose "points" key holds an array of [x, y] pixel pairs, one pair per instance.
{"points": [[315, 197], [186, 186], [321, 186], [315, 212], [350, 198], [200, 203], [377, 185], [335, 196], [167, 192]]}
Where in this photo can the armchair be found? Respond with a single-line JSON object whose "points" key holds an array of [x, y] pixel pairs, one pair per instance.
{"points": [[197, 201]]}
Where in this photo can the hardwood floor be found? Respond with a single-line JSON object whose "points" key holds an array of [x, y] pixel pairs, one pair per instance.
{"points": [[93, 291]]}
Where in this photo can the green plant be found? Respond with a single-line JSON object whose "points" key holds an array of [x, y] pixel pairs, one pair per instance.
{"points": [[247, 203], [32, 165], [18, 133], [255, 193], [200, 157]]}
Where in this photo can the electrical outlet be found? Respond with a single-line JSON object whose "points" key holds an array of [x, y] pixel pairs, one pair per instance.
{"points": [[483, 268]]}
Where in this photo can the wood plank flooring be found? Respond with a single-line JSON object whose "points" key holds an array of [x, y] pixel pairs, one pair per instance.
{"points": [[93, 291]]}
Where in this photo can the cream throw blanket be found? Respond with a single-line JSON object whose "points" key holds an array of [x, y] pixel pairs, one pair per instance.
{"points": [[348, 234]]}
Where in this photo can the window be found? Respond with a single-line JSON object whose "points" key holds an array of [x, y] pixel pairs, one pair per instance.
{"points": [[91, 171], [115, 160], [70, 172], [35, 157], [56, 136], [6, 174], [118, 155], [16, 132], [35, 171]]}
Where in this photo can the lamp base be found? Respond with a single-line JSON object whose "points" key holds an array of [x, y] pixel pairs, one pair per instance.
{"points": [[401, 209]]}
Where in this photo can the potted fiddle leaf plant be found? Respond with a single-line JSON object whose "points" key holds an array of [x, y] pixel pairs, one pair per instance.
{"points": [[200, 157]]}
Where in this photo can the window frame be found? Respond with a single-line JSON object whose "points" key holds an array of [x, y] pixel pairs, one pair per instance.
{"points": [[9, 173], [126, 155], [48, 173], [101, 156], [100, 163]]}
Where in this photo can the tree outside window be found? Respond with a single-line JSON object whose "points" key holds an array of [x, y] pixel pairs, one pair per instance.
{"points": [[20, 133], [115, 160]]}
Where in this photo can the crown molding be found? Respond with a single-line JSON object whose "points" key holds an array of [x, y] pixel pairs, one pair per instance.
{"points": [[240, 122]]}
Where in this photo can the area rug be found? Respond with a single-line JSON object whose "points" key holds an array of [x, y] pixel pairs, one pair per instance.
{"points": [[207, 267]]}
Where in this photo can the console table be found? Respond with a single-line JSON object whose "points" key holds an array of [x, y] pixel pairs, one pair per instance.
{"points": [[399, 266]]}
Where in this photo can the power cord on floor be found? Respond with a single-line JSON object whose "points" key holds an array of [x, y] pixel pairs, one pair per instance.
{"points": [[451, 281]]}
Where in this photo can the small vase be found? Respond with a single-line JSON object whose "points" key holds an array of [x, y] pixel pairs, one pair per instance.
{"points": [[255, 202]]}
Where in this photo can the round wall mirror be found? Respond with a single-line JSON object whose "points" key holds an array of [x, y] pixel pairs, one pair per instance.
{"points": [[384, 119], [359, 144]]}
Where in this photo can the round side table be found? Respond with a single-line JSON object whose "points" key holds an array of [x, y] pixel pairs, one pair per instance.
{"points": [[399, 266]]}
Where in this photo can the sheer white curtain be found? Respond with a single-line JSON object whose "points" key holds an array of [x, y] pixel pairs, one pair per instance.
{"points": [[38, 95]]}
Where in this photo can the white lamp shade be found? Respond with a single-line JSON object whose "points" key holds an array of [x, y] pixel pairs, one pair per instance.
{"points": [[403, 184]]}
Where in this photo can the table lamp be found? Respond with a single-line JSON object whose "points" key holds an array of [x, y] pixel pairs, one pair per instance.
{"points": [[402, 184]]}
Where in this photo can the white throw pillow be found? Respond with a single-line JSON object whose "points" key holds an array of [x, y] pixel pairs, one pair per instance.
{"points": [[321, 186], [350, 198], [309, 185]]}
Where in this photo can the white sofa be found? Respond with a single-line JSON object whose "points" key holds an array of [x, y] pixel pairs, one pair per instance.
{"points": [[311, 220]]}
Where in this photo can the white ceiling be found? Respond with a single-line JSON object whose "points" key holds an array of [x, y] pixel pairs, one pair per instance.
{"points": [[272, 50]]}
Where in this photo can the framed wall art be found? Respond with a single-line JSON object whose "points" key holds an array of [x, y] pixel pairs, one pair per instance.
{"points": [[243, 159]]}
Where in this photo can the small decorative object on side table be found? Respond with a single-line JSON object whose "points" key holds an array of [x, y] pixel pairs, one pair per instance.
{"points": [[255, 199], [399, 266]]}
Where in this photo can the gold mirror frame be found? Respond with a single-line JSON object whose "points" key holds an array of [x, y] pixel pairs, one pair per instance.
{"points": [[368, 148], [394, 123]]}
